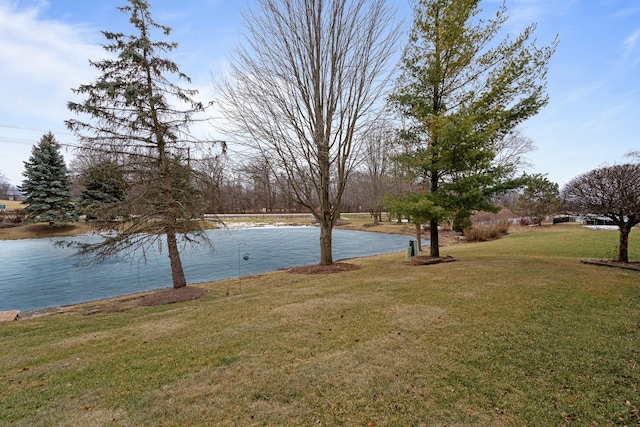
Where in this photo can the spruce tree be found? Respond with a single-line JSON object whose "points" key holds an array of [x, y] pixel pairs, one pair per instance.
{"points": [[139, 115], [47, 185], [104, 191]]}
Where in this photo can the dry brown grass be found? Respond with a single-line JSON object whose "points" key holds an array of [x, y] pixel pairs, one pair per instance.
{"points": [[42, 230], [517, 332], [484, 231], [362, 222], [11, 204]]}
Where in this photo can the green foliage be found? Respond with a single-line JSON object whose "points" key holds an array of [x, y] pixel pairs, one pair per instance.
{"points": [[418, 208], [47, 185], [141, 118], [539, 199], [463, 94], [462, 221], [104, 189]]}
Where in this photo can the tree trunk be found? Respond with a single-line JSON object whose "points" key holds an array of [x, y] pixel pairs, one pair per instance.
{"points": [[326, 256], [623, 251], [435, 244], [419, 236], [177, 272], [433, 224]]}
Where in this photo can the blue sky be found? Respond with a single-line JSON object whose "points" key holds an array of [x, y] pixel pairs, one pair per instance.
{"points": [[593, 80]]}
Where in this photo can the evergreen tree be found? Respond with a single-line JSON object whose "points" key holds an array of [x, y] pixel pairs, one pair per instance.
{"points": [[104, 191], [462, 94], [47, 185], [141, 116], [539, 199]]}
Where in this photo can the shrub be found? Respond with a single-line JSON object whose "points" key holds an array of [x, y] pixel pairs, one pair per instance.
{"points": [[13, 216], [483, 231], [525, 222]]}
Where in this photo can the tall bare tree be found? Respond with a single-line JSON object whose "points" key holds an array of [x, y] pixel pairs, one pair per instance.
{"points": [[303, 88], [5, 186], [378, 150], [141, 117]]}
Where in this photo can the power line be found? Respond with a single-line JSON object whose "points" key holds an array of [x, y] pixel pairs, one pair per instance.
{"points": [[22, 141], [58, 132]]}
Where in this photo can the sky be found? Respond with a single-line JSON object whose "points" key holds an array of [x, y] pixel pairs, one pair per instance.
{"points": [[593, 80]]}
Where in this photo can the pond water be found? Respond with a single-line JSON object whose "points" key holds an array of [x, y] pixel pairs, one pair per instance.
{"points": [[37, 274]]}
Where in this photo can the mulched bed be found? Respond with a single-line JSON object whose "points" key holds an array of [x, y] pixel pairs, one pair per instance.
{"points": [[171, 296], [428, 260], [9, 225], [43, 230], [336, 267], [152, 299], [616, 264]]}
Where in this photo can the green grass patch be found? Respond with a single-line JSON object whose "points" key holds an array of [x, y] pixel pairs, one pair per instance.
{"points": [[517, 332]]}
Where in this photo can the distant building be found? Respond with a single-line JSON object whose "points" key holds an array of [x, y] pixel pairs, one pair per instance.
{"points": [[598, 220], [14, 194]]}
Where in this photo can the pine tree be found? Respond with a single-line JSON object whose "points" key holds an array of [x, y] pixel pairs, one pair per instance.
{"points": [[462, 93], [139, 115], [104, 191], [47, 185], [539, 198]]}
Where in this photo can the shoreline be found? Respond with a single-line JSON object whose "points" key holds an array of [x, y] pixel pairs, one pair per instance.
{"points": [[239, 225]]}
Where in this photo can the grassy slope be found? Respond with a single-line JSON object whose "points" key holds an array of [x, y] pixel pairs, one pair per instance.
{"points": [[517, 332], [11, 204]]}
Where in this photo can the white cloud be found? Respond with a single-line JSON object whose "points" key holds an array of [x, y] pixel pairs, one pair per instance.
{"points": [[522, 13], [630, 49], [583, 92], [42, 60]]}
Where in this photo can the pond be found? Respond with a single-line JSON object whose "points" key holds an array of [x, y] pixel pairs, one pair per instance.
{"points": [[37, 274]]}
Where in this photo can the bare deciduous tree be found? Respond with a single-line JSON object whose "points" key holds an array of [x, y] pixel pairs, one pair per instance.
{"points": [[378, 151], [511, 150], [304, 87], [5, 186], [612, 192]]}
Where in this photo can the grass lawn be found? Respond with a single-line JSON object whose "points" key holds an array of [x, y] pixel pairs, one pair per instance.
{"points": [[517, 332], [11, 204]]}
